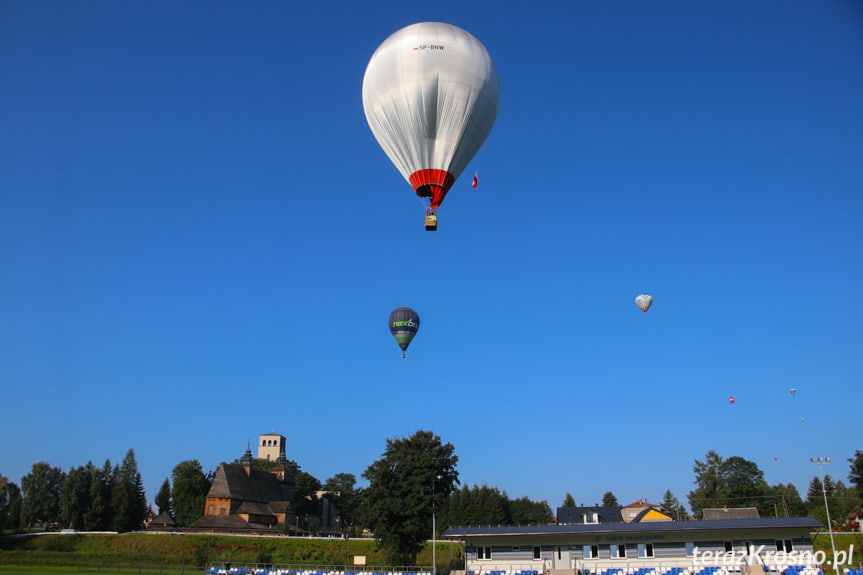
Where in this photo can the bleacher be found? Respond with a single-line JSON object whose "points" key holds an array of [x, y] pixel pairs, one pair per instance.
{"points": [[804, 570], [275, 571]]}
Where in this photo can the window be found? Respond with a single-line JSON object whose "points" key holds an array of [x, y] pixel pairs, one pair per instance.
{"points": [[785, 545], [729, 547], [536, 553], [621, 550], [613, 551], [222, 511], [591, 518], [645, 549], [594, 551], [690, 549], [210, 510], [587, 552], [483, 552]]}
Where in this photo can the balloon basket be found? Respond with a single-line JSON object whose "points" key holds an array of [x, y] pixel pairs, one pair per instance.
{"points": [[431, 222]]}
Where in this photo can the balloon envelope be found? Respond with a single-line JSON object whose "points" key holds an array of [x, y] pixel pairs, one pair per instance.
{"points": [[404, 323], [644, 301], [731, 400], [431, 93]]}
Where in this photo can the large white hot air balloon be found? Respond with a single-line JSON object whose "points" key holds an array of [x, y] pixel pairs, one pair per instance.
{"points": [[431, 95]]}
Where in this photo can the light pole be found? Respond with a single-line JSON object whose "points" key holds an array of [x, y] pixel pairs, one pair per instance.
{"points": [[822, 461], [434, 531]]}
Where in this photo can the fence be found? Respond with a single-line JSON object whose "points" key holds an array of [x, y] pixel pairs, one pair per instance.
{"points": [[289, 569], [140, 569]]}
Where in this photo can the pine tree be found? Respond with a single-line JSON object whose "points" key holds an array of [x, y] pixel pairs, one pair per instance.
{"points": [[98, 515], [128, 500], [163, 498], [75, 497]]}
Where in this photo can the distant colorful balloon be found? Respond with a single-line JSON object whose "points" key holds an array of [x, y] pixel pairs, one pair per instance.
{"points": [[775, 459], [793, 391], [731, 400], [404, 323], [644, 302]]}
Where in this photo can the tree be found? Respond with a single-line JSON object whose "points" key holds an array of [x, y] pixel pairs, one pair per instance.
{"points": [[41, 489], [815, 494], [736, 482], [305, 500], [163, 498], [569, 500], [743, 483], [128, 500], [403, 487], [10, 504], [784, 501], [267, 464], [709, 481], [189, 493], [672, 505], [341, 491], [98, 516], [75, 497], [523, 511], [475, 506], [609, 500], [855, 476]]}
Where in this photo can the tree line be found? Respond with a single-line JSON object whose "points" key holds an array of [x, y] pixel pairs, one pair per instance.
{"points": [[738, 482], [87, 498], [414, 480]]}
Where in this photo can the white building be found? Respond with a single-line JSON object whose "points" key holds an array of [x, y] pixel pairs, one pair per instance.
{"points": [[718, 547]]}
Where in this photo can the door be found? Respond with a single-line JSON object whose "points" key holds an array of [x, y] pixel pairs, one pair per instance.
{"points": [[561, 557]]}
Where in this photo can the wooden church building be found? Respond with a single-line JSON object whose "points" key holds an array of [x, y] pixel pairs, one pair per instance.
{"points": [[243, 498]]}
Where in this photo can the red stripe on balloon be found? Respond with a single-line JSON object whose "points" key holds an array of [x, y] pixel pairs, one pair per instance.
{"points": [[431, 183]]}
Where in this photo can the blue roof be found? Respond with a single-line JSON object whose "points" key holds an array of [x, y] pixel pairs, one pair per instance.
{"points": [[652, 527], [606, 514]]}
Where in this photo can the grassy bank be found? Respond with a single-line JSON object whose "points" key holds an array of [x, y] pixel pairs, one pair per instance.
{"points": [[199, 550], [196, 550], [203, 550]]}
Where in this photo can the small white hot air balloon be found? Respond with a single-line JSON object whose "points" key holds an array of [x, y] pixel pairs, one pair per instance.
{"points": [[644, 301], [793, 391]]}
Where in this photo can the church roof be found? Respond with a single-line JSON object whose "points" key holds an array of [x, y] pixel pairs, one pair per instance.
{"points": [[232, 482], [163, 518], [253, 508], [226, 522]]}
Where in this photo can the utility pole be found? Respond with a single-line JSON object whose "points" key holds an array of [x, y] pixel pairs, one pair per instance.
{"points": [[434, 531], [822, 461]]}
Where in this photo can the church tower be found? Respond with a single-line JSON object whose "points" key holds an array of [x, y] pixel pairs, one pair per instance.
{"points": [[271, 446]]}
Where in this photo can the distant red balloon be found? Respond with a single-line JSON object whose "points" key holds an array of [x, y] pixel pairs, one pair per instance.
{"points": [[775, 459], [731, 400]]}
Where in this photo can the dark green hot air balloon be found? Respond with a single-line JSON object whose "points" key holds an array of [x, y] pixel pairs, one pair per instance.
{"points": [[404, 323]]}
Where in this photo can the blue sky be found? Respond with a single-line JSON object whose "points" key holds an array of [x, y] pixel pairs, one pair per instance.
{"points": [[200, 240]]}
